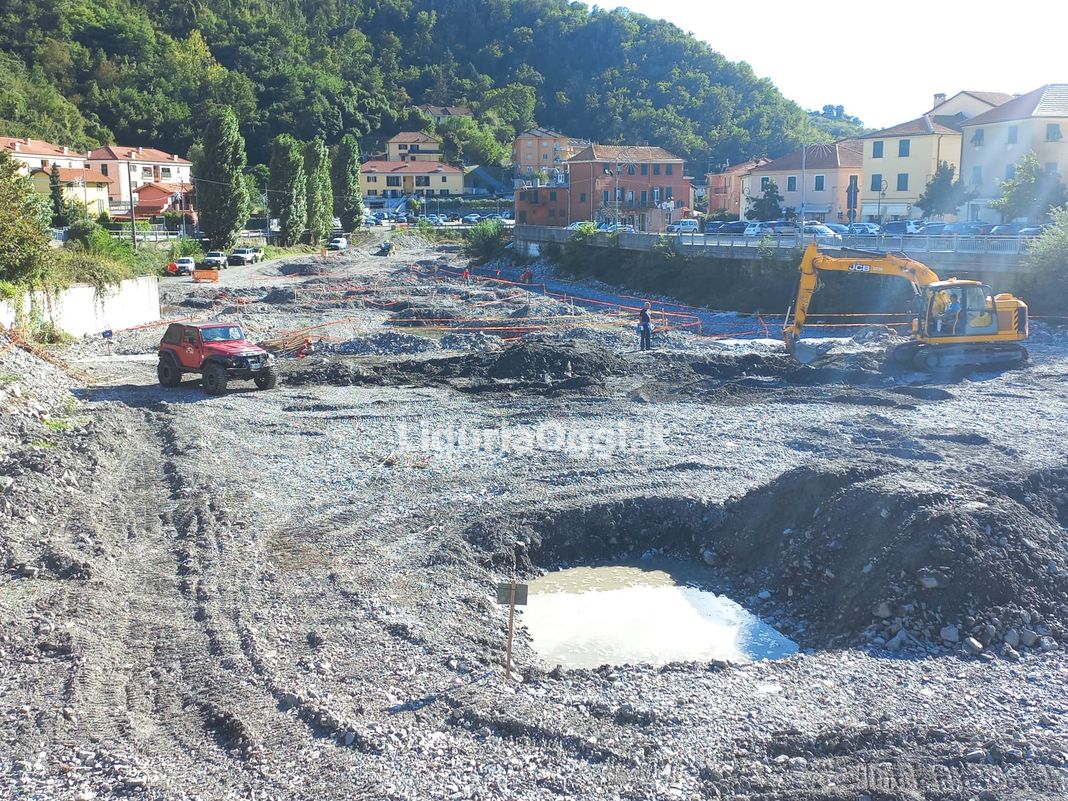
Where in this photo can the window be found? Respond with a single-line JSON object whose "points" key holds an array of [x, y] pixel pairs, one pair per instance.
{"points": [[645, 197], [977, 137], [765, 181], [165, 173], [444, 180], [1053, 132], [630, 169], [876, 183], [422, 180], [668, 193], [393, 180], [372, 192], [876, 150], [656, 194], [372, 179], [818, 183], [522, 195], [791, 183], [104, 169], [530, 143], [146, 172], [552, 196], [1010, 172], [656, 169], [604, 196], [582, 197], [402, 147], [522, 218], [903, 148], [668, 168], [645, 169], [552, 212], [977, 175], [1013, 132], [902, 182]]}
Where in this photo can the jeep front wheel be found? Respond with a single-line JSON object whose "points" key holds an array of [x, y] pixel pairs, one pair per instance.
{"points": [[167, 372], [214, 379], [268, 379]]}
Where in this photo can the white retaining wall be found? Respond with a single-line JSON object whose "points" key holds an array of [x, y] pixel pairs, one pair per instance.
{"points": [[80, 310]]}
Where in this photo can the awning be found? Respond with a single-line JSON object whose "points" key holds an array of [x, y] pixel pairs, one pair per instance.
{"points": [[873, 209]]}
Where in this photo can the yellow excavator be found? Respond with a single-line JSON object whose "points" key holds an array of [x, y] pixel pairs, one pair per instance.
{"points": [[957, 323]]}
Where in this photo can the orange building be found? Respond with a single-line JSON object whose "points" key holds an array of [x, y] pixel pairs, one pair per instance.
{"points": [[725, 188]]}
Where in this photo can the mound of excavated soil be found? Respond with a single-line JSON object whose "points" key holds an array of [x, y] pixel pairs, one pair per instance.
{"points": [[531, 359]]}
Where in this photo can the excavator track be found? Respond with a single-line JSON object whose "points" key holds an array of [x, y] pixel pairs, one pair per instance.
{"points": [[946, 357]]}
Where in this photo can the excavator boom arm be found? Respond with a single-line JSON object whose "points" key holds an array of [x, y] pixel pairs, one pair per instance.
{"points": [[812, 262]]}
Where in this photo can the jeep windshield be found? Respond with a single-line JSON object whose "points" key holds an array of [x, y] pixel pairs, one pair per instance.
{"points": [[222, 333]]}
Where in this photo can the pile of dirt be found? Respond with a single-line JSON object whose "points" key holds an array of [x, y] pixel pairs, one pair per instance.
{"points": [[384, 344], [476, 342], [533, 358], [882, 555], [545, 307]]}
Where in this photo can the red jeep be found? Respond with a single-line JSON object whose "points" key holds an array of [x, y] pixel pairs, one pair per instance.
{"points": [[218, 351]]}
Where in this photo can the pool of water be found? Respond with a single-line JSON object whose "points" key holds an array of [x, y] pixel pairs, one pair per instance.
{"points": [[642, 612]]}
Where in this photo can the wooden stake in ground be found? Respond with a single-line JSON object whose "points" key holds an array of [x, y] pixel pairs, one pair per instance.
{"points": [[513, 594]]}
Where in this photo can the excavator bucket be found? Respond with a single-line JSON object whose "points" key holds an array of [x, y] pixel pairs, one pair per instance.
{"points": [[807, 353]]}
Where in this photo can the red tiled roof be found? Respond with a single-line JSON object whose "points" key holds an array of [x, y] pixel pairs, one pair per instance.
{"points": [[72, 175], [413, 136], [147, 154], [921, 126], [170, 189], [741, 169], [1050, 100], [623, 153], [413, 167], [35, 147], [845, 153]]}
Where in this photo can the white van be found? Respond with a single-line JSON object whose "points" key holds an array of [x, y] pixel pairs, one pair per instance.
{"points": [[687, 226]]}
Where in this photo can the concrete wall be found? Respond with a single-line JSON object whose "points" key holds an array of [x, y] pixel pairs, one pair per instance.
{"points": [[80, 310]]}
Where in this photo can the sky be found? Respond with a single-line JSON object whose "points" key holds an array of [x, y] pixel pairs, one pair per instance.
{"points": [[883, 62]]}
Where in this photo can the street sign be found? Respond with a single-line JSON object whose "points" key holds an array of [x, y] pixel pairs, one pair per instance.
{"points": [[504, 593]]}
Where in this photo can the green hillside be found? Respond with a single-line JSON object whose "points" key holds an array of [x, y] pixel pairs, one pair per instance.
{"points": [[81, 72]]}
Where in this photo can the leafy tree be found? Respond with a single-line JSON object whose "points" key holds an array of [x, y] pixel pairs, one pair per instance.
{"points": [[768, 206], [485, 240], [1046, 257], [1030, 193], [943, 195], [288, 188], [465, 141], [24, 243], [319, 191], [60, 208], [346, 180], [222, 195]]}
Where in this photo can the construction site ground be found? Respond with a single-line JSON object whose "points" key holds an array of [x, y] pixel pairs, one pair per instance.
{"points": [[290, 594]]}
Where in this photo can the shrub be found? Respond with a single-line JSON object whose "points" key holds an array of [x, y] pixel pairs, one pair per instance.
{"points": [[485, 240]]}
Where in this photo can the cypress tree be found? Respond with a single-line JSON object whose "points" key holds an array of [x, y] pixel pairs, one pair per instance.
{"points": [[222, 195], [320, 192], [288, 189], [60, 215], [346, 177]]}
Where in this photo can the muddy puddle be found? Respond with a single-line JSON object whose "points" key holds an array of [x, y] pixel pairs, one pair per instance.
{"points": [[651, 611]]}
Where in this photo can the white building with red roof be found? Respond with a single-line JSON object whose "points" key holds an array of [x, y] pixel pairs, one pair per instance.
{"points": [[36, 154], [133, 167]]}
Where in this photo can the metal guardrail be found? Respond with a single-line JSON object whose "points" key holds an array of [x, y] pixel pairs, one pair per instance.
{"points": [[909, 243]]}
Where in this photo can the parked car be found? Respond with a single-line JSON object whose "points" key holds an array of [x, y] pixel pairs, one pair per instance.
{"points": [[900, 227], [214, 260], [733, 227], [1032, 230], [245, 256], [786, 227], [338, 243], [934, 229], [578, 224], [687, 226], [1008, 229], [863, 229], [822, 234], [336, 223], [713, 227], [370, 219], [381, 215], [470, 219], [760, 229], [617, 228], [186, 265], [959, 229]]}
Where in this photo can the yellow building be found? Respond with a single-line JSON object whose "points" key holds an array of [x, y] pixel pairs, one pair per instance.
{"points": [[995, 141], [413, 146], [543, 150], [813, 184], [82, 185], [393, 179], [899, 162]]}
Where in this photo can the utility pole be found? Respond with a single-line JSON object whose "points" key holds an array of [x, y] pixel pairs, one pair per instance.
{"points": [[133, 221]]}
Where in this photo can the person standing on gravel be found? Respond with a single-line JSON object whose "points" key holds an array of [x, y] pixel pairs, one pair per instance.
{"points": [[467, 276], [645, 327]]}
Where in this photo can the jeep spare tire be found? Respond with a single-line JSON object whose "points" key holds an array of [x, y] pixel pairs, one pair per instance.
{"points": [[214, 379]]}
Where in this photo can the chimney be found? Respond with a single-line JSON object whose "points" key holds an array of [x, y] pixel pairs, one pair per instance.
{"points": [[939, 99], [66, 150], [140, 150], [45, 163], [18, 146], [174, 157]]}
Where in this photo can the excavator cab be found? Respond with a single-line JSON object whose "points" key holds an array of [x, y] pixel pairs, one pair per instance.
{"points": [[956, 309]]}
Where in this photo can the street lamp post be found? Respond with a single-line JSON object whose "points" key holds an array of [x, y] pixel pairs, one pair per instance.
{"points": [[882, 194]]}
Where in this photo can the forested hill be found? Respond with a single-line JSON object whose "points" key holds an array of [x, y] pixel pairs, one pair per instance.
{"points": [[82, 72]]}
